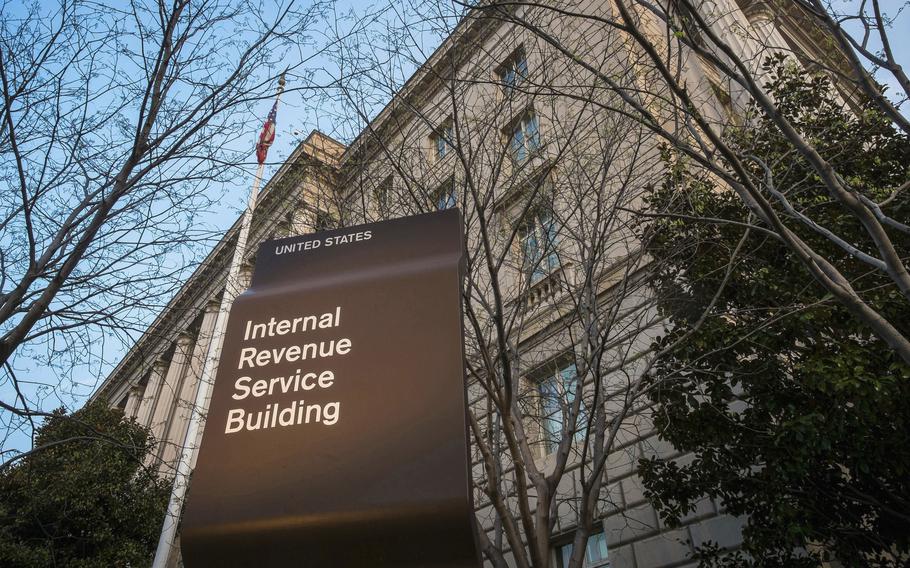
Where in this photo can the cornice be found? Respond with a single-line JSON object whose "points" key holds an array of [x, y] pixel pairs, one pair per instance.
{"points": [[423, 84], [208, 279]]}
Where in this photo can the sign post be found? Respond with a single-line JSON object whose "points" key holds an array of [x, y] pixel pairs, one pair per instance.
{"points": [[337, 431]]}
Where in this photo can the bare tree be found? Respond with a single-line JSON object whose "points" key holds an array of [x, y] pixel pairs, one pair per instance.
{"points": [[693, 56], [118, 122], [557, 275], [558, 310]]}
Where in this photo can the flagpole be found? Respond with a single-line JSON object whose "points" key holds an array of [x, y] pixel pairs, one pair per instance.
{"points": [[207, 376]]}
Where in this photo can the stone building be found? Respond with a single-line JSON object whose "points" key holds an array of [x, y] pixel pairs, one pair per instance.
{"points": [[504, 125]]}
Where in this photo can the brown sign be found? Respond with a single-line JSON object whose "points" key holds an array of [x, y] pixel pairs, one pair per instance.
{"points": [[337, 431]]}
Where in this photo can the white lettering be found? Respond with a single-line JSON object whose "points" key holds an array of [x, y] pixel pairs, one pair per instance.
{"points": [[234, 421], [240, 385], [247, 354], [330, 413], [274, 416], [326, 379]]}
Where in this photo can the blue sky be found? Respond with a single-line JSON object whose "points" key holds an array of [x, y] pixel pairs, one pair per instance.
{"points": [[49, 387], [297, 117]]}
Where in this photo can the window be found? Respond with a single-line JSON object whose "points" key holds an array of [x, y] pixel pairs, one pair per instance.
{"points": [[595, 552], [514, 71], [442, 140], [538, 244], [524, 137], [382, 195], [286, 227], [722, 94], [324, 221], [445, 196], [557, 393]]}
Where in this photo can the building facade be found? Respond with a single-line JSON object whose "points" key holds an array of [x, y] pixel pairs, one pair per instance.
{"points": [[549, 173]]}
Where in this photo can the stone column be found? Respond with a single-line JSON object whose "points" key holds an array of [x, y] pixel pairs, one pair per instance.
{"points": [[150, 396], [164, 408], [246, 275], [176, 433], [767, 37], [133, 400], [216, 305], [732, 26], [729, 24]]}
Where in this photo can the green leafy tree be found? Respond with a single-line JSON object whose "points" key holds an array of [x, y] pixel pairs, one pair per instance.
{"points": [[84, 499], [798, 416]]}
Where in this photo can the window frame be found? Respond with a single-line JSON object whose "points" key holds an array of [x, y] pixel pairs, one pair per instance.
{"points": [[442, 140], [564, 552], [523, 136], [445, 197], [539, 224], [563, 391], [382, 194], [512, 72]]}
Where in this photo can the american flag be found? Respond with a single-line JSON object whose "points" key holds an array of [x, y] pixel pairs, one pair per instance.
{"points": [[267, 136]]}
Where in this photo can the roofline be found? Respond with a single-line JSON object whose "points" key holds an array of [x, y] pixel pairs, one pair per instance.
{"points": [[421, 74]]}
